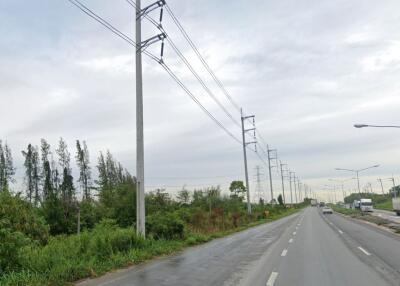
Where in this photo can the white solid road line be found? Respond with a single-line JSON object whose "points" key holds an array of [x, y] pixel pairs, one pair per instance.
{"points": [[291, 240], [272, 278], [284, 252], [363, 250]]}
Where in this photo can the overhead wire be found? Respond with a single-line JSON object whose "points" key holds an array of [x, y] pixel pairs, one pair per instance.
{"points": [[110, 27], [188, 65]]}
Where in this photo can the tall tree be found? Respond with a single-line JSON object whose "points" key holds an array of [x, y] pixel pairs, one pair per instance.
{"points": [[28, 164], [64, 159], [46, 169], [7, 170], [36, 175], [82, 159]]}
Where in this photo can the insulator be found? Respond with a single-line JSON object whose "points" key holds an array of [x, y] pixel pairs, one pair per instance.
{"points": [[161, 14], [162, 49]]}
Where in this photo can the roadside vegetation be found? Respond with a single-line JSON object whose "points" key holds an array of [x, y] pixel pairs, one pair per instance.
{"points": [[380, 201], [55, 232]]}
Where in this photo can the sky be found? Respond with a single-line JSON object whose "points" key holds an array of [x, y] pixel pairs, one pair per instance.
{"points": [[308, 70]]}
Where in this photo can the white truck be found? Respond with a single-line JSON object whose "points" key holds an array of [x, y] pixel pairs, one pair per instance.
{"points": [[366, 205], [396, 205], [314, 203]]}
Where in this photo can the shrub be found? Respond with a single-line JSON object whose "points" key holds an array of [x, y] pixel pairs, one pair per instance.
{"points": [[165, 226], [10, 244], [19, 216]]}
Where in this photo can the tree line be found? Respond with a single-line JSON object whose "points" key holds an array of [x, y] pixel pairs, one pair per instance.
{"points": [[50, 187]]}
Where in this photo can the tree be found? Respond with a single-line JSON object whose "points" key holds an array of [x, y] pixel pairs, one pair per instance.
{"points": [[82, 159], [46, 175], [7, 169], [28, 164], [183, 196], [67, 185], [237, 189], [280, 200]]}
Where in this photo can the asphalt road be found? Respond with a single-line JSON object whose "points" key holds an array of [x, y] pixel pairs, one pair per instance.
{"points": [[303, 249], [389, 215]]}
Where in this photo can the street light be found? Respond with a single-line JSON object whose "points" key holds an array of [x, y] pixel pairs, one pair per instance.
{"points": [[342, 184], [378, 126], [357, 172]]}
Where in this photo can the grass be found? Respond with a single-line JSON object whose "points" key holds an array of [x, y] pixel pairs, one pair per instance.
{"points": [[66, 259], [387, 205]]}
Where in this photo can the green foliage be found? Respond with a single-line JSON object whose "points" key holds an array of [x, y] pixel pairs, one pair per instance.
{"points": [[19, 216], [165, 226], [10, 244], [377, 199], [237, 188], [280, 200]]}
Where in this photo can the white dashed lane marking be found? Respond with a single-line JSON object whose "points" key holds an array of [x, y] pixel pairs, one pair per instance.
{"points": [[363, 250], [291, 240], [272, 278], [284, 252]]}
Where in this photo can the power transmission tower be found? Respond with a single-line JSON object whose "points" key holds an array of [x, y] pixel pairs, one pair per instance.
{"points": [[258, 177], [274, 152], [140, 46], [244, 131]]}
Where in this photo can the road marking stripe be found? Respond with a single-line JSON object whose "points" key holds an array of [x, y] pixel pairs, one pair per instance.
{"points": [[330, 223], [341, 232], [284, 252], [294, 233], [272, 278], [297, 227], [291, 240], [363, 250]]}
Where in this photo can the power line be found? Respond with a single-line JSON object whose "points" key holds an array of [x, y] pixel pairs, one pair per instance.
{"points": [[96, 17], [188, 65], [207, 67], [188, 92]]}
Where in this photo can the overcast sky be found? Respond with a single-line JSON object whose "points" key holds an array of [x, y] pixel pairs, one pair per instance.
{"points": [[307, 69]]}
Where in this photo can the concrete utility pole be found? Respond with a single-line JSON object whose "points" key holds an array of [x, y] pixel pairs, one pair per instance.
{"points": [[269, 171], [299, 188], [243, 118], [394, 187], [290, 184], [140, 207], [258, 177], [283, 183], [295, 187], [380, 181]]}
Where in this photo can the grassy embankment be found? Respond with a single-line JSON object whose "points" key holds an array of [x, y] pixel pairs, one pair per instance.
{"points": [[68, 258]]}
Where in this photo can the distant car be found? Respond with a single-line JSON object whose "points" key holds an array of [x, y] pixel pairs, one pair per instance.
{"points": [[327, 210]]}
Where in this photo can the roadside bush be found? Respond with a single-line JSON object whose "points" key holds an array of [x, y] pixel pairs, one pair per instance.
{"points": [[165, 226], [10, 244], [19, 216]]}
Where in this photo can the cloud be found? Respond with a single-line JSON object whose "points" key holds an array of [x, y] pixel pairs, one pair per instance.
{"points": [[308, 70]]}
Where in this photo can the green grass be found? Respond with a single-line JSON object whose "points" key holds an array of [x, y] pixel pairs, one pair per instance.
{"points": [[349, 212], [69, 258], [387, 205]]}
